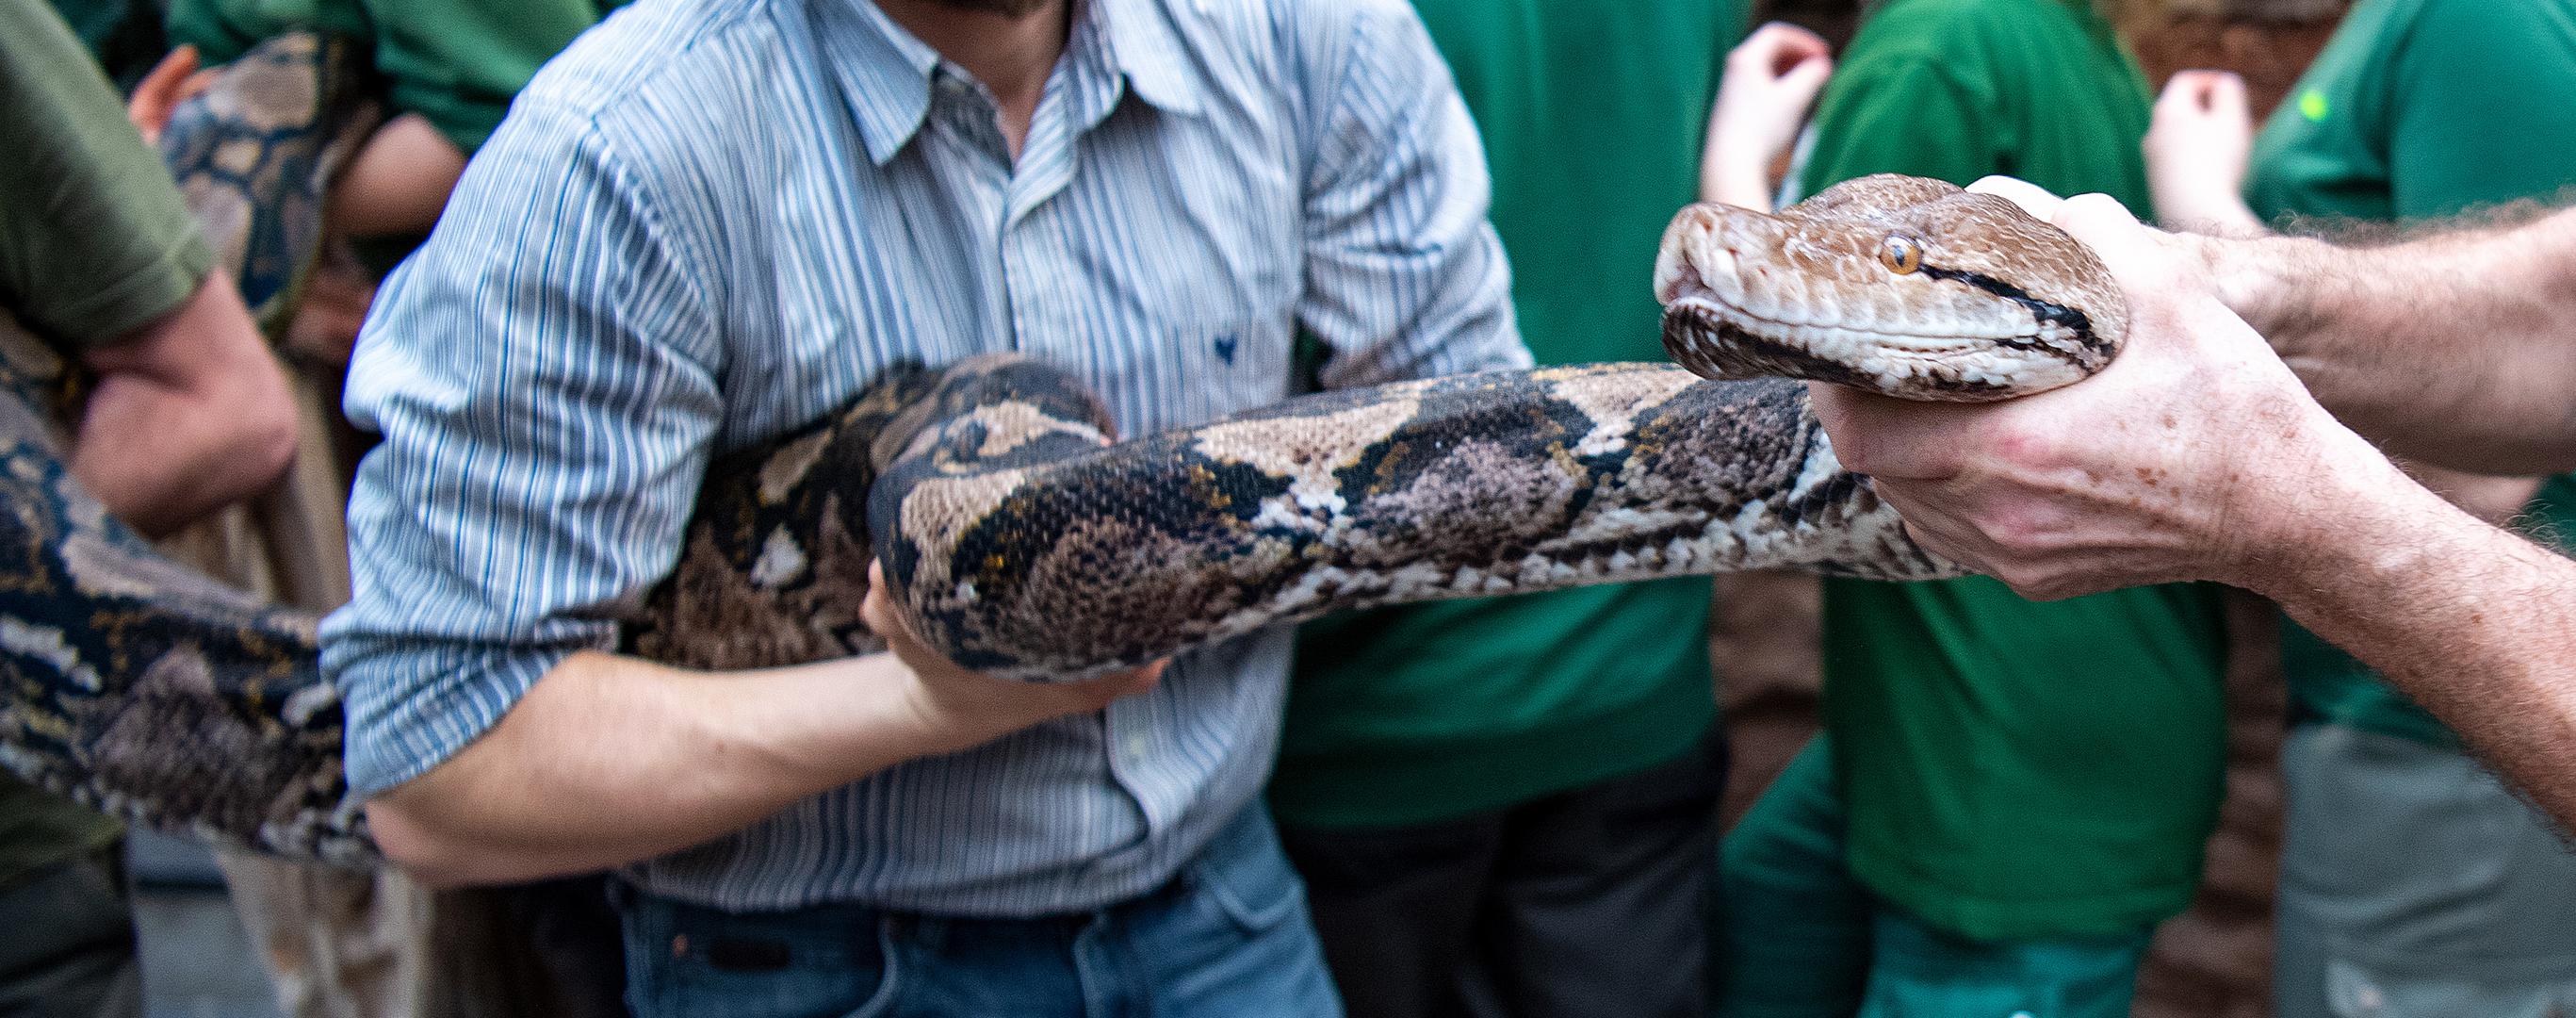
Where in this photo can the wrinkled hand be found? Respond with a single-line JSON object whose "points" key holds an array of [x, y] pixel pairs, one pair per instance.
{"points": [[967, 708], [2187, 458], [2196, 150], [1770, 80]]}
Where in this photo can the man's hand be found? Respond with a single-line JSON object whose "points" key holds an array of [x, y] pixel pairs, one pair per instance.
{"points": [[332, 307], [2190, 457], [2196, 150], [964, 708], [1770, 80]]}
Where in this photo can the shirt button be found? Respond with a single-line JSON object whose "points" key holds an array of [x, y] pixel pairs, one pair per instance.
{"points": [[1136, 745]]}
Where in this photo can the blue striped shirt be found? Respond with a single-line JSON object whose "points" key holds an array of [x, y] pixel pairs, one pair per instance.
{"points": [[709, 222]]}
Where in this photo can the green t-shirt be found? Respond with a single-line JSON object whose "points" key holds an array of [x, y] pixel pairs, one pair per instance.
{"points": [[2014, 769], [2419, 109], [457, 63], [1427, 712], [93, 244]]}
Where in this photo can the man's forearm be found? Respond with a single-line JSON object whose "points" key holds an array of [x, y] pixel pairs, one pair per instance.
{"points": [[2471, 621], [608, 759], [398, 183], [2457, 349], [190, 414]]}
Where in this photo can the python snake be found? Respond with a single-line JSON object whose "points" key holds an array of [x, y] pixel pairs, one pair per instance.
{"points": [[1020, 540]]}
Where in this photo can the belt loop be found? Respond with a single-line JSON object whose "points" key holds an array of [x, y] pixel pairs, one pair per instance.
{"points": [[621, 895]]}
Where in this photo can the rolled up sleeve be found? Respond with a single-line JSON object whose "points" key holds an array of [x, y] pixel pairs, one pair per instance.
{"points": [[545, 376], [1405, 278]]}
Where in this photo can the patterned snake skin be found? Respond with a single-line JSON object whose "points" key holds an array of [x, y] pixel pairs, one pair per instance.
{"points": [[1021, 541]]}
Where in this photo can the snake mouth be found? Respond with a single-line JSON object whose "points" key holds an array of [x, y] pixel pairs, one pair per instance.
{"points": [[1715, 338], [1819, 336], [1702, 339]]}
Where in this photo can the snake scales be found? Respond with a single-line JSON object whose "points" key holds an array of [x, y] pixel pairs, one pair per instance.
{"points": [[1021, 541]]}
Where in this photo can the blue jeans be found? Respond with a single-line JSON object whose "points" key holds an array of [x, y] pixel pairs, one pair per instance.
{"points": [[1228, 937]]}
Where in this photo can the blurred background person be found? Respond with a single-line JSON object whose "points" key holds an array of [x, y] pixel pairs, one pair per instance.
{"points": [[2413, 881], [358, 116], [2010, 796], [182, 411], [1509, 806]]}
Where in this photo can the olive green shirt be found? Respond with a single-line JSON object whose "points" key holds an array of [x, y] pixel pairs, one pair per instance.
{"points": [[2014, 770], [1433, 711], [94, 244], [457, 63], [2419, 109]]}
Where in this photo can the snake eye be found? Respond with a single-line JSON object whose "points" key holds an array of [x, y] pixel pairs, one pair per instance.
{"points": [[1901, 254]]}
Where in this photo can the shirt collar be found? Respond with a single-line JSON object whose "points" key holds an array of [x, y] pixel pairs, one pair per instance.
{"points": [[1147, 51], [884, 70], [887, 71]]}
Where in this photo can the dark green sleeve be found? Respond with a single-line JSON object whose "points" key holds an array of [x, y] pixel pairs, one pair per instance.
{"points": [[1903, 109], [459, 63], [94, 242], [223, 30], [214, 27], [2482, 106]]}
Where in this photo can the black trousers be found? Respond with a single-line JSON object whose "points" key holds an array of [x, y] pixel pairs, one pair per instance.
{"points": [[67, 944], [1592, 901]]}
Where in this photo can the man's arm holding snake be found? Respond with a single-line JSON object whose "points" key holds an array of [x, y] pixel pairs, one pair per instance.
{"points": [[2198, 455], [548, 415], [610, 759], [2458, 349], [97, 254]]}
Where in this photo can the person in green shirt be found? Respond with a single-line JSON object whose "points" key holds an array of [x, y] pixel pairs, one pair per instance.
{"points": [[456, 64], [446, 73], [1516, 799], [2010, 795], [450, 69], [185, 412], [2413, 881]]}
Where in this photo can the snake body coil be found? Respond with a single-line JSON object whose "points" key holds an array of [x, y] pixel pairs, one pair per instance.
{"points": [[1023, 542]]}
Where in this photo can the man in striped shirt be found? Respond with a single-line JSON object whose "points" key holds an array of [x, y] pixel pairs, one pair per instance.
{"points": [[710, 222]]}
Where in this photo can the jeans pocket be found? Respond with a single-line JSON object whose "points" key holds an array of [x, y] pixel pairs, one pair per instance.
{"points": [[1255, 894], [699, 963]]}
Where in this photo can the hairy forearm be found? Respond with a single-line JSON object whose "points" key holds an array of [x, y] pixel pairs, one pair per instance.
{"points": [[189, 415], [2457, 349], [607, 760], [2472, 621]]}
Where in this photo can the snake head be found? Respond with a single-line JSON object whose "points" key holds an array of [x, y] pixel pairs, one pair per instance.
{"points": [[1900, 285]]}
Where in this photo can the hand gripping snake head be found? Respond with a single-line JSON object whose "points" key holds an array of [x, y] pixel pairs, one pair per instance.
{"points": [[1900, 285]]}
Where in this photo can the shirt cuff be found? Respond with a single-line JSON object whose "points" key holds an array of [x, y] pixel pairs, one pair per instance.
{"points": [[409, 712]]}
